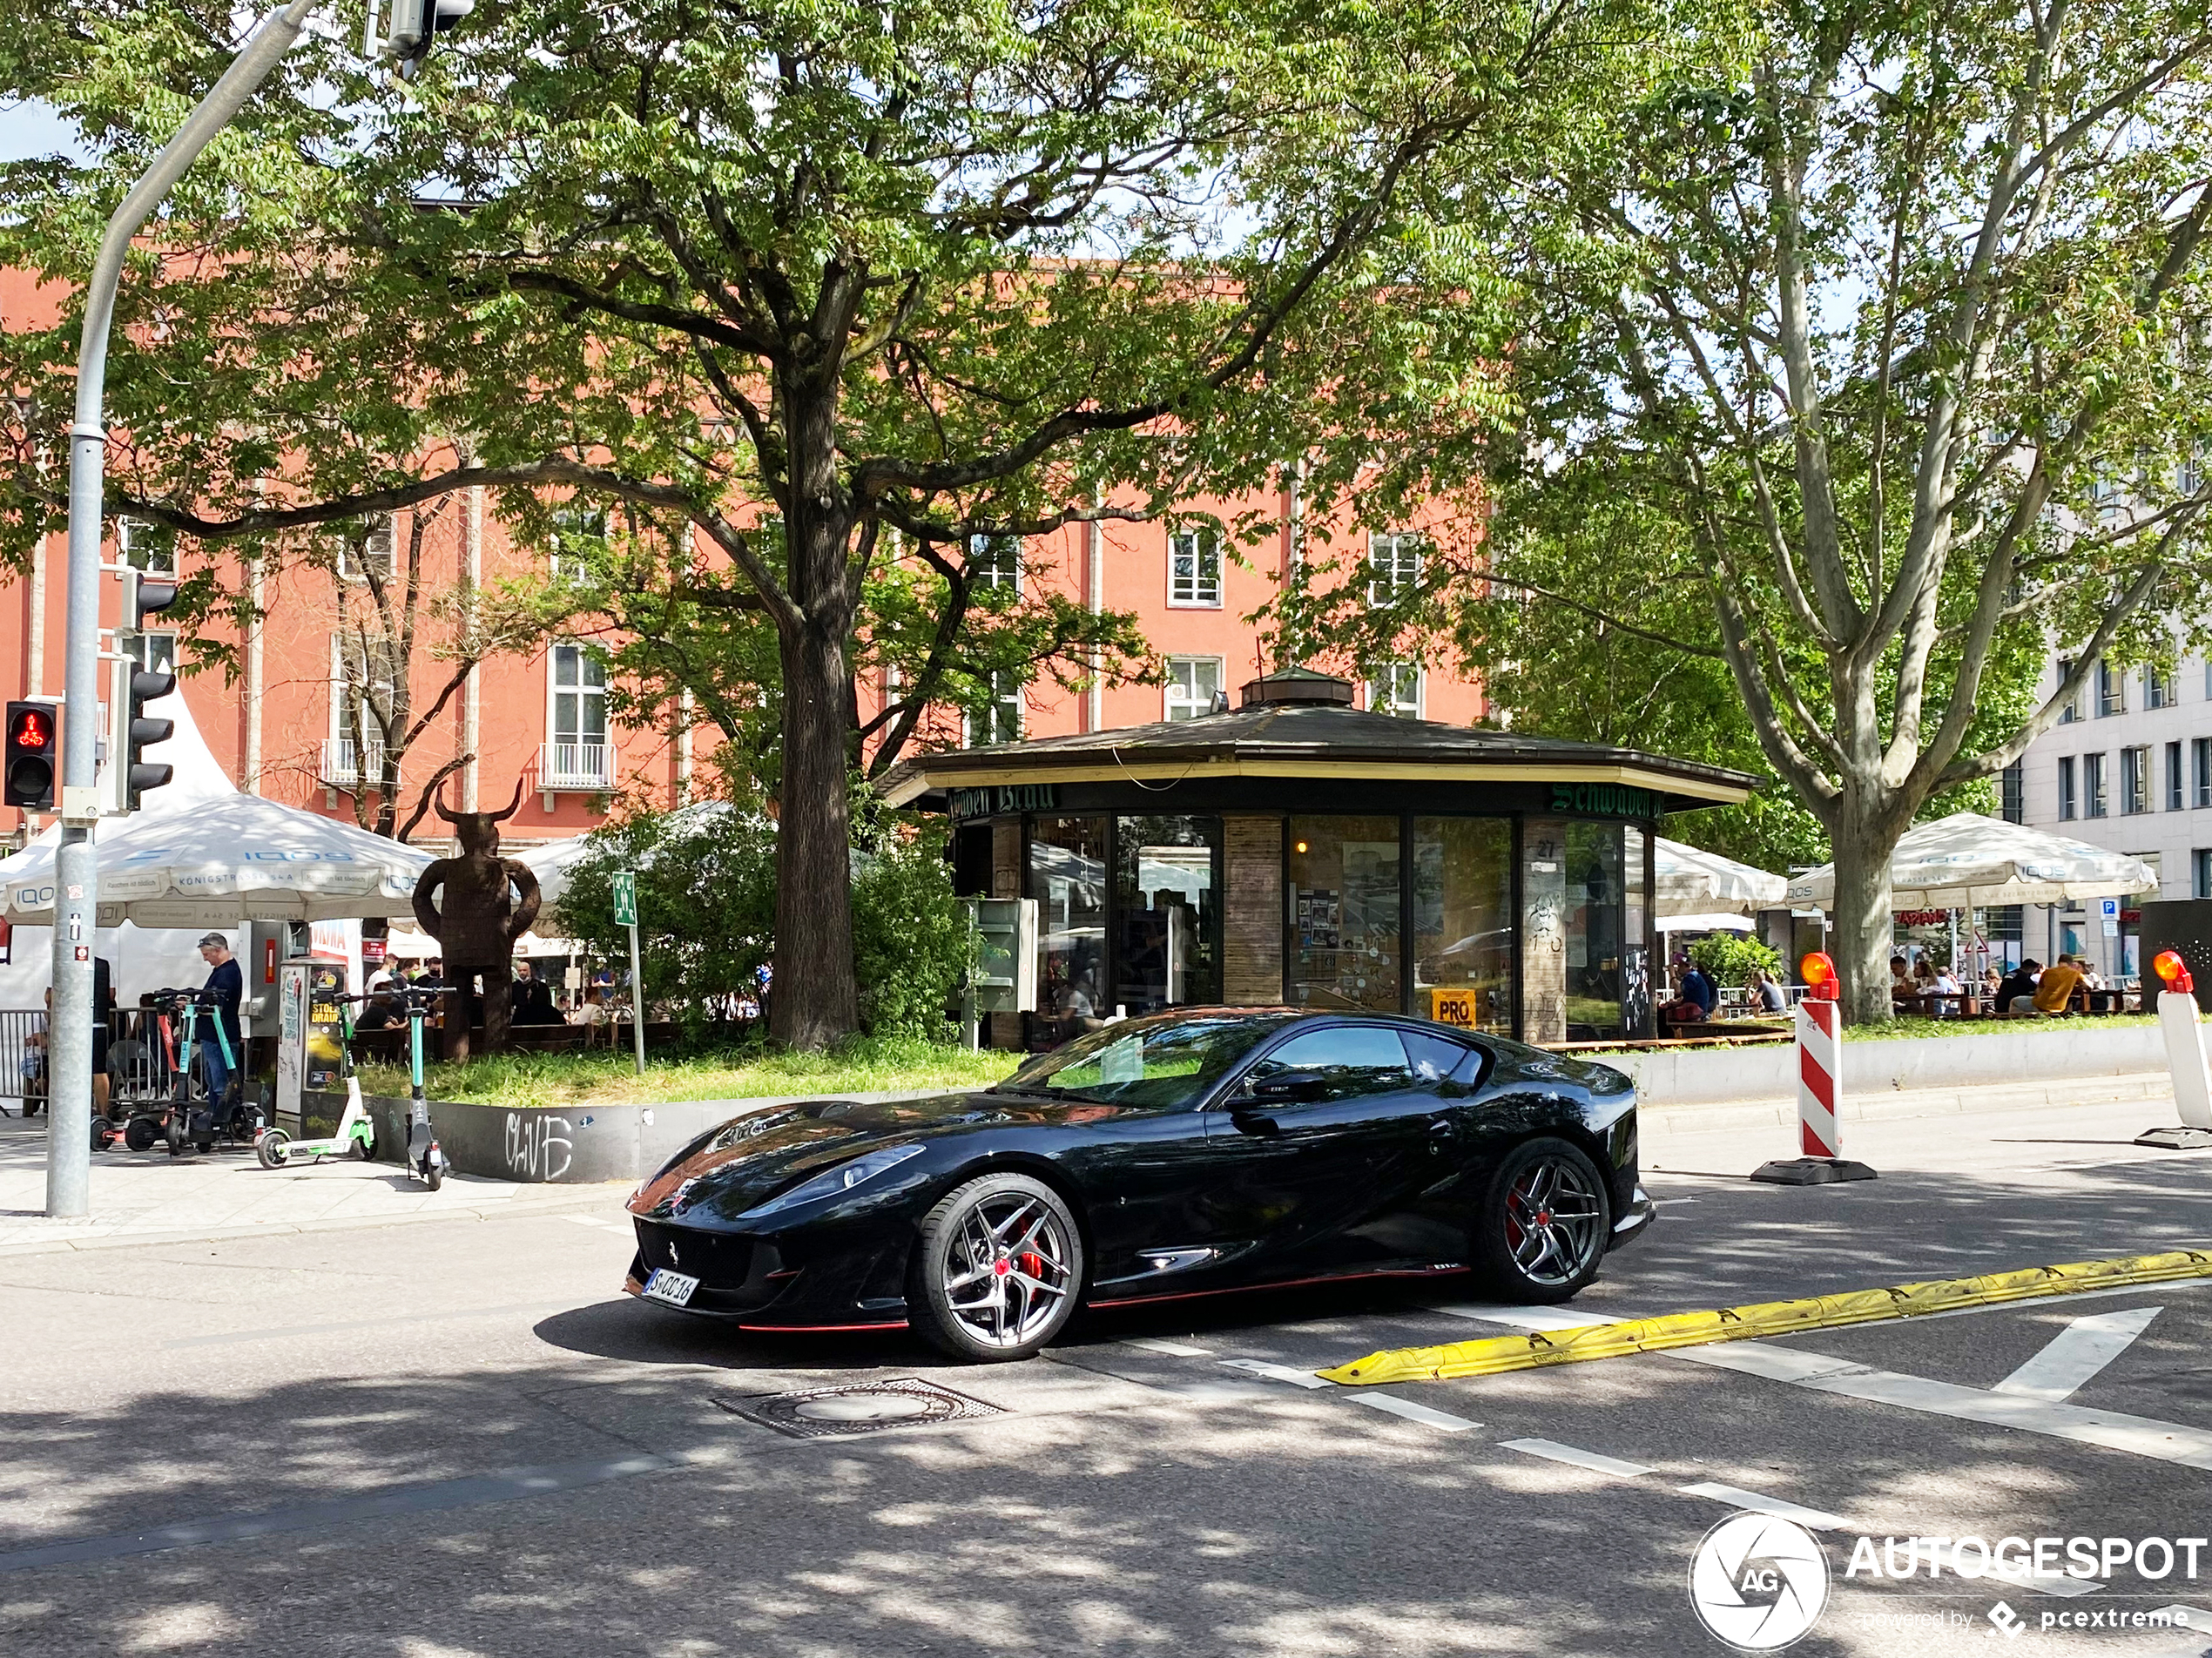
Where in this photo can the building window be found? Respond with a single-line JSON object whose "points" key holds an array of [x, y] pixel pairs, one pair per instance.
{"points": [[1193, 682], [1397, 690], [2012, 785], [368, 548], [2135, 781], [2200, 771], [578, 544], [2066, 787], [998, 718], [363, 672], [2072, 712], [576, 756], [2158, 688], [995, 561], [2096, 795], [156, 653], [2200, 872], [1194, 569], [146, 545], [1393, 566], [2174, 790], [2112, 691]]}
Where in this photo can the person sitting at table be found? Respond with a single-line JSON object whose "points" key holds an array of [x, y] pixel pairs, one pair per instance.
{"points": [[1767, 993], [1948, 990], [2015, 993], [1903, 992], [1698, 989], [2054, 990]]}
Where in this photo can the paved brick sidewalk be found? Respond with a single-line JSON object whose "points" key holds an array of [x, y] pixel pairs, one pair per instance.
{"points": [[147, 1197]]}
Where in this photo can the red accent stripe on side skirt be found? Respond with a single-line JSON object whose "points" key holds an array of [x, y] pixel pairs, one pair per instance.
{"points": [[1285, 1284], [896, 1324]]}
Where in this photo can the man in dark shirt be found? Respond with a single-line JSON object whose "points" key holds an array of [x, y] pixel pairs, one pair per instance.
{"points": [[2019, 986], [219, 1000], [1697, 988], [533, 999]]}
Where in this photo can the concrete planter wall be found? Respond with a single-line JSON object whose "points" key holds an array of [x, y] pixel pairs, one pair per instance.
{"points": [[1715, 1075]]}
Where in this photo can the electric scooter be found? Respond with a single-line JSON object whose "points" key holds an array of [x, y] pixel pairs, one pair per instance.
{"points": [[195, 1123], [357, 1132], [426, 1159]]}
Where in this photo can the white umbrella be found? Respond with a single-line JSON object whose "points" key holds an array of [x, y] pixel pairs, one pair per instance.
{"points": [[1968, 861], [1688, 881], [1715, 923]]}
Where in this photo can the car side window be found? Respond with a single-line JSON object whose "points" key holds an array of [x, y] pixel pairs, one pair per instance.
{"points": [[1436, 1058], [1351, 1061]]}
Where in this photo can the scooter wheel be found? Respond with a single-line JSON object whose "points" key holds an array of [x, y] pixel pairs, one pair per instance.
{"points": [[138, 1134], [176, 1137], [365, 1146], [274, 1148], [435, 1175], [103, 1136], [203, 1147]]}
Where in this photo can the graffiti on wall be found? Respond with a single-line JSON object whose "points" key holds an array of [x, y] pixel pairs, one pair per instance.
{"points": [[537, 1145]]}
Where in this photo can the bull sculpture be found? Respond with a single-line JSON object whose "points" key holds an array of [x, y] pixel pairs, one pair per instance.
{"points": [[465, 903]]}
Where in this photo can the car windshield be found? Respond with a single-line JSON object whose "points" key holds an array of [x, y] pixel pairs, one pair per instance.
{"points": [[1165, 1062]]}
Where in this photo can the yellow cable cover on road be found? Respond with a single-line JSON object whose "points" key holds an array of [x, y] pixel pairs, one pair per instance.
{"points": [[1494, 1355]]}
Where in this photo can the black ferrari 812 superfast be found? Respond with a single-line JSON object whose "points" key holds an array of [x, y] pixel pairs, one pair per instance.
{"points": [[1186, 1154]]}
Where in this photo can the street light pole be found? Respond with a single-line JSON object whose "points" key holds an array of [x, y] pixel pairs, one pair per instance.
{"points": [[69, 1049]]}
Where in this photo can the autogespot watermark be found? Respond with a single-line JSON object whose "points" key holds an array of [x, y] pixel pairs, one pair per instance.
{"points": [[1759, 1583]]}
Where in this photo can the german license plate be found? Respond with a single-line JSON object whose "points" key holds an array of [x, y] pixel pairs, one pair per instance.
{"points": [[675, 1288]]}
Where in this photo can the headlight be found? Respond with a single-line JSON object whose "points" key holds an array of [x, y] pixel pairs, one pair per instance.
{"points": [[831, 1181]]}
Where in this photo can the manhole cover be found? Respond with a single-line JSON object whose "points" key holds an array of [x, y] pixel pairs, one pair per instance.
{"points": [[858, 1407]]}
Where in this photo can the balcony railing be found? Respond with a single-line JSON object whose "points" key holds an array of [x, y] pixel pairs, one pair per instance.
{"points": [[343, 758], [586, 767]]}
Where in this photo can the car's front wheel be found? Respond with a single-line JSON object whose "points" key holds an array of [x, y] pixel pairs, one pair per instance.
{"points": [[996, 1269], [1542, 1234]]}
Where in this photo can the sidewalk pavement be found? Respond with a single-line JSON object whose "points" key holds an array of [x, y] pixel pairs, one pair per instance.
{"points": [[150, 1197]]}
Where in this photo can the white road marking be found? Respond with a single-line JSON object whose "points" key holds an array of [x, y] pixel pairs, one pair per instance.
{"points": [[1277, 1372], [2057, 1583], [594, 1220], [2139, 1436], [1551, 1451], [2077, 1353], [1527, 1318], [1760, 1503], [1413, 1412], [1172, 1349]]}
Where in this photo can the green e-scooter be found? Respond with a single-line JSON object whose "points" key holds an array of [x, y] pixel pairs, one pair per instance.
{"points": [[356, 1129], [426, 1159]]}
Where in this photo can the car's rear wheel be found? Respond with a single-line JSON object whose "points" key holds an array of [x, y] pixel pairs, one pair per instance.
{"points": [[1541, 1236], [996, 1270]]}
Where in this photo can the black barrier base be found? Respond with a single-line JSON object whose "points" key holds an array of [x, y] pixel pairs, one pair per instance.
{"points": [[1812, 1172], [2176, 1139]]}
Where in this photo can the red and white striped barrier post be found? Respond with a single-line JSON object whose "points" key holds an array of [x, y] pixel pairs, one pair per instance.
{"points": [[1820, 1088], [2185, 1057]]}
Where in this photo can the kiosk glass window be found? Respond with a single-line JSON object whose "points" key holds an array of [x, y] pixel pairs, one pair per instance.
{"points": [[1068, 878], [1343, 913], [1463, 922], [1635, 936], [1168, 896], [1573, 915]]}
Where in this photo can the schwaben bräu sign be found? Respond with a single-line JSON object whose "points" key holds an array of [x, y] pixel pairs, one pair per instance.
{"points": [[1604, 800], [1006, 796]]}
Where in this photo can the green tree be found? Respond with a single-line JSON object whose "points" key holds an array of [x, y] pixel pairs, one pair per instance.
{"points": [[964, 269], [1892, 321]]}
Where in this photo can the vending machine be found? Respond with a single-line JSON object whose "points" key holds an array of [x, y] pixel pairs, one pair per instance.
{"points": [[310, 1028]]}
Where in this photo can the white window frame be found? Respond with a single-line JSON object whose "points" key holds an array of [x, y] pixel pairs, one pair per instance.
{"points": [[551, 776], [572, 523], [1383, 695], [1202, 590], [381, 546], [159, 560], [1187, 695], [995, 573], [1395, 558], [364, 760], [1012, 700]]}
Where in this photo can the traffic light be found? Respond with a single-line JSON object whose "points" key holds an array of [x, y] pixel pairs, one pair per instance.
{"points": [[415, 23], [34, 751], [143, 596]]}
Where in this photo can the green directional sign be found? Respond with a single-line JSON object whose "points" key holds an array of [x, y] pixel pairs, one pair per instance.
{"points": [[625, 898]]}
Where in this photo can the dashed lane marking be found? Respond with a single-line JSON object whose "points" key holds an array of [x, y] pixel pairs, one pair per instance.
{"points": [[1552, 1451], [1172, 1349], [1759, 1501], [1277, 1372], [1413, 1412]]}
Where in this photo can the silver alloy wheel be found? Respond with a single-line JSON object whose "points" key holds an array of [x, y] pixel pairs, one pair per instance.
{"points": [[1554, 1217], [1007, 1271]]}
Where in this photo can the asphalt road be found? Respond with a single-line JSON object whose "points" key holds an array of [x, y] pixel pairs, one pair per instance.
{"points": [[437, 1439]]}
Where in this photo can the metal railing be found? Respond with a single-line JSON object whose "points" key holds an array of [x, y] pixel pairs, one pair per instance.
{"points": [[575, 765], [342, 760], [141, 1047]]}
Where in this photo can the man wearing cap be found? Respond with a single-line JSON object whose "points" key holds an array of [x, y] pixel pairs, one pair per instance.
{"points": [[219, 1000]]}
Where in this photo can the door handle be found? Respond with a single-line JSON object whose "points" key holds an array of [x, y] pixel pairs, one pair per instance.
{"points": [[1441, 1134]]}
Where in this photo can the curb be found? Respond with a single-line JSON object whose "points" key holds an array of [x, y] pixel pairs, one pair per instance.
{"points": [[1894, 1105], [574, 1200]]}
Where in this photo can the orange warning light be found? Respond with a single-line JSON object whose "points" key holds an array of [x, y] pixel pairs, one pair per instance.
{"points": [[1819, 973], [2169, 967]]}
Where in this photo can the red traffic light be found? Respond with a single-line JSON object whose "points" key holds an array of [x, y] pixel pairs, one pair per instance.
{"points": [[32, 729], [2169, 965], [1819, 973]]}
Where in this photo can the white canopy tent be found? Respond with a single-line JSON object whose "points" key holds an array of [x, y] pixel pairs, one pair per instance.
{"points": [[1717, 922], [1968, 861], [1692, 887]]}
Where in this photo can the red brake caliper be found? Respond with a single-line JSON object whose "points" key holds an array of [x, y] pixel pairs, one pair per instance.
{"points": [[1032, 1263]]}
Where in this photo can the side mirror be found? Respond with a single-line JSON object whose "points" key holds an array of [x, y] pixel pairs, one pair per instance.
{"points": [[1284, 1088]]}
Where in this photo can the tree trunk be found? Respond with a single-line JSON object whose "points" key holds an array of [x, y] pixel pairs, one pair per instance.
{"points": [[1863, 918], [816, 1000]]}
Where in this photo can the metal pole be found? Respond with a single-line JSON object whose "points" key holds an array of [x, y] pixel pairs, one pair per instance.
{"points": [[69, 1051], [637, 1002]]}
